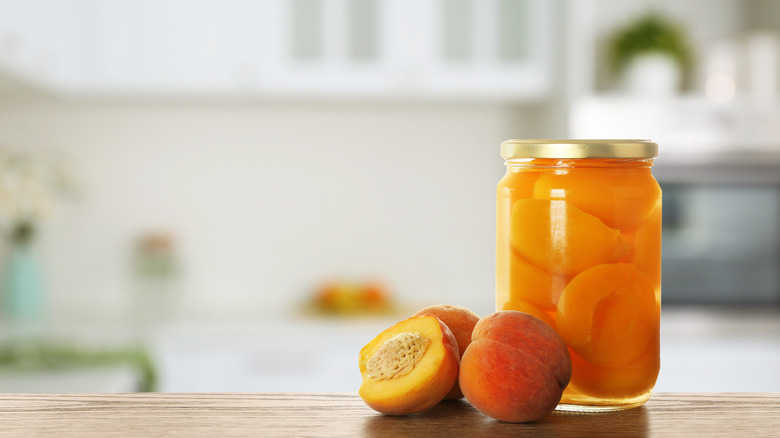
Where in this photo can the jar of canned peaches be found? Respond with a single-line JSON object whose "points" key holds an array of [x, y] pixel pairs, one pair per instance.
{"points": [[578, 245]]}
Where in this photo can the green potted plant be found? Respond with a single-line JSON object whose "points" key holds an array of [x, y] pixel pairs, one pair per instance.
{"points": [[651, 55]]}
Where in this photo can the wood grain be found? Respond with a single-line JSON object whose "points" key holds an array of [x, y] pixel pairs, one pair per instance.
{"points": [[344, 414]]}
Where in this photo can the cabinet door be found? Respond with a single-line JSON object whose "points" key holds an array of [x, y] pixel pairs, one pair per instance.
{"points": [[489, 48], [160, 46], [333, 47]]}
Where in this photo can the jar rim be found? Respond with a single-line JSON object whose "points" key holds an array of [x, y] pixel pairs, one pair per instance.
{"points": [[582, 148]]}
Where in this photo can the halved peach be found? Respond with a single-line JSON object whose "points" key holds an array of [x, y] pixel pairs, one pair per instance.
{"points": [[409, 367], [608, 314], [621, 197], [647, 248], [513, 186], [631, 380], [560, 238], [526, 307], [517, 185], [529, 283]]}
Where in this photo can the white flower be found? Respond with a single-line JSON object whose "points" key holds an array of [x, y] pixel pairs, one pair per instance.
{"points": [[30, 187]]}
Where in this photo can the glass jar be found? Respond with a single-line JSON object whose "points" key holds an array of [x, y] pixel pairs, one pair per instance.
{"points": [[578, 245]]}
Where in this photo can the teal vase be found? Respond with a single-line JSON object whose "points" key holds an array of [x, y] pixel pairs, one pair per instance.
{"points": [[22, 285]]}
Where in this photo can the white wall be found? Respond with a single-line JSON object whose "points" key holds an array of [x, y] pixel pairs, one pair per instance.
{"points": [[267, 199]]}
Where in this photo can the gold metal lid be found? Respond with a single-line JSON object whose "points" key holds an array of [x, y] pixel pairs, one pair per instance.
{"points": [[626, 149]]}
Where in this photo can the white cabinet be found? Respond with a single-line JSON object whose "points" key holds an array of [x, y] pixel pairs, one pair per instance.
{"points": [[497, 48], [108, 379], [291, 355], [153, 45], [290, 48], [415, 48], [169, 46]]}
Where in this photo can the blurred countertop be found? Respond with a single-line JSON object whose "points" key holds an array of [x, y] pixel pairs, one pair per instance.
{"points": [[703, 349], [720, 349], [756, 167]]}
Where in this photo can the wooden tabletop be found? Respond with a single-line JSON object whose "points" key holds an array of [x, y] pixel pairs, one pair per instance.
{"points": [[344, 414]]}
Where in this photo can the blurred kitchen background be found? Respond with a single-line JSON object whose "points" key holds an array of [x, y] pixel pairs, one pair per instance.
{"points": [[205, 195]]}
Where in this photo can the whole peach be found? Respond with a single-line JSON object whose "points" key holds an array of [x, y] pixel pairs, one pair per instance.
{"points": [[515, 368], [461, 322]]}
